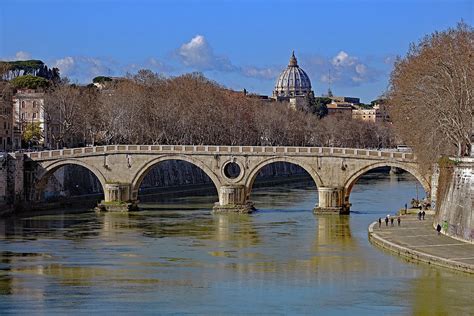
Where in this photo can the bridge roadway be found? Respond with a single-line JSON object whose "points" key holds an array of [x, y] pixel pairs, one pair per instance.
{"points": [[233, 169]]}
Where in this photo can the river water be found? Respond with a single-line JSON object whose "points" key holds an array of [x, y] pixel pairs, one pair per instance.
{"points": [[176, 257]]}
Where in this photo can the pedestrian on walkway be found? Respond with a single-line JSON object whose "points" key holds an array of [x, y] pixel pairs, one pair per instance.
{"points": [[391, 221], [423, 215], [380, 222], [386, 220], [438, 228], [419, 215], [399, 220]]}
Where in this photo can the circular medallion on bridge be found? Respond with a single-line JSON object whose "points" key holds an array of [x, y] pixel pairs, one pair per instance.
{"points": [[232, 170]]}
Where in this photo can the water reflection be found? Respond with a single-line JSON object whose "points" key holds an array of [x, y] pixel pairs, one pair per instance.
{"points": [[334, 230], [179, 258], [440, 292], [237, 230]]}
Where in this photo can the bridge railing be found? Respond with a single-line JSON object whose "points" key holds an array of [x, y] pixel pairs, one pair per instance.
{"points": [[211, 149]]}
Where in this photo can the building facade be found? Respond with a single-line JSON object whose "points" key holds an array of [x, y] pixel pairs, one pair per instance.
{"points": [[6, 125], [376, 114], [340, 109], [28, 107]]}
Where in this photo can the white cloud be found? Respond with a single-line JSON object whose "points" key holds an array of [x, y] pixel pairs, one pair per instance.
{"points": [[83, 68], [343, 59], [326, 78], [158, 65], [19, 55], [260, 73], [342, 69], [361, 69], [198, 54], [389, 60], [65, 65], [22, 55]]}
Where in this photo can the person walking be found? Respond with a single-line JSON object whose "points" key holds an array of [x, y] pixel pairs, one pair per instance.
{"points": [[391, 221], [386, 220], [380, 222], [423, 215], [398, 220], [438, 228], [419, 215]]}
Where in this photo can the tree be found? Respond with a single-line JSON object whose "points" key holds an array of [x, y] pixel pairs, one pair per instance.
{"points": [[64, 110], [101, 79], [35, 68], [318, 105], [32, 133], [431, 94], [29, 82], [4, 68]]}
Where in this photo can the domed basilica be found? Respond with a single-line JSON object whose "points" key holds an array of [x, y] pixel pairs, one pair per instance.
{"points": [[293, 85]]}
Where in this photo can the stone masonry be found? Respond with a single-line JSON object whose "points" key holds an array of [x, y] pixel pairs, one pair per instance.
{"points": [[121, 169]]}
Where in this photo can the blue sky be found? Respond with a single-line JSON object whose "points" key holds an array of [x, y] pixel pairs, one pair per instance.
{"points": [[240, 44]]}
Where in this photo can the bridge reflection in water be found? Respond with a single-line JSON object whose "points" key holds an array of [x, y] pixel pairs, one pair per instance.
{"points": [[272, 258]]}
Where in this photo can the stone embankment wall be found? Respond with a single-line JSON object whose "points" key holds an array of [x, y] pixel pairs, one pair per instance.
{"points": [[11, 181], [455, 199]]}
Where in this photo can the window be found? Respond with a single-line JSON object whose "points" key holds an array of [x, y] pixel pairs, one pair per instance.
{"points": [[23, 116], [34, 115], [22, 104], [34, 104]]}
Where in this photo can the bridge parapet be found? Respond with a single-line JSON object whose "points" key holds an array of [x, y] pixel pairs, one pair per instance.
{"points": [[218, 150]]}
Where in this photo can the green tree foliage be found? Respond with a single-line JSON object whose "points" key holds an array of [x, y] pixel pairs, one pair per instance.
{"points": [[318, 106], [101, 79], [25, 65], [30, 82], [32, 133], [12, 69]]}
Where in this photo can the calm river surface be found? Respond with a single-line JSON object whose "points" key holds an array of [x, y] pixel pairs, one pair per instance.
{"points": [[179, 258]]}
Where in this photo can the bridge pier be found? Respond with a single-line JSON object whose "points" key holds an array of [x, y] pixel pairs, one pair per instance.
{"points": [[118, 198], [233, 198], [331, 201]]}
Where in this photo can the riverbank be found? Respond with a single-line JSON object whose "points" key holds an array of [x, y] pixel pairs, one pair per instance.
{"points": [[418, 240]]}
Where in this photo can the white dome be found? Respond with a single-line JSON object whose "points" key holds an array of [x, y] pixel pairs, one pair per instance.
{"points": [[293, 81]]}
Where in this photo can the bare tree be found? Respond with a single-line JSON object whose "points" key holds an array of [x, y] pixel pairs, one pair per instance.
{"points": [[431, 94], [147, 108], [64, 113]]}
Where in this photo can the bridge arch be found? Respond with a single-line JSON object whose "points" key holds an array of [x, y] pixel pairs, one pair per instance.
{"points": [[257, 168], [349, 184], [146, 168], [42, 177]]}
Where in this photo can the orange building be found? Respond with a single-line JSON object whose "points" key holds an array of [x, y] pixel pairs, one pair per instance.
{"points": [[340, 109]]}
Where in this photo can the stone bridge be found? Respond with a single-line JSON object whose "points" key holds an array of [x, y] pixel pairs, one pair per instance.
{"points": [[233, 169]]}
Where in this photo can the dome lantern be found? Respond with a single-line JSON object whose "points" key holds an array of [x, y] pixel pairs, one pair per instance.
{"points": [[293, 62]]}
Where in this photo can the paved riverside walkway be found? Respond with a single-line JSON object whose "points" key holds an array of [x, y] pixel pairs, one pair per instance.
{"points": [[418, 240]]}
